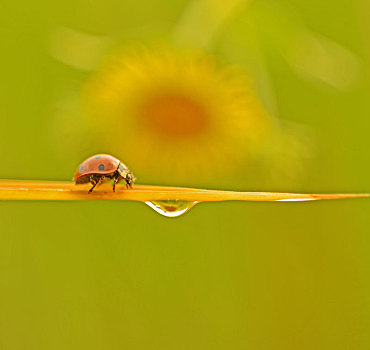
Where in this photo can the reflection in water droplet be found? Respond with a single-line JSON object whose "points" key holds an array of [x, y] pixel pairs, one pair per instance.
{"points": [[172, 208], [296, 200]]}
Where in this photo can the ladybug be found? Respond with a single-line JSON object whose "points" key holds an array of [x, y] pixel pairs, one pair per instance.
{"points": [[101, 168]]}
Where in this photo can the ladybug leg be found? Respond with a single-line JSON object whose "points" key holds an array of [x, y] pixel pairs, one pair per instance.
{"points": [[94, 181], [128, 182], [90, 190], [115, 180]]}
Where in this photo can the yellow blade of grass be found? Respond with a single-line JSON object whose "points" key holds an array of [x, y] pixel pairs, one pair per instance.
{"points": [[61, 190]]}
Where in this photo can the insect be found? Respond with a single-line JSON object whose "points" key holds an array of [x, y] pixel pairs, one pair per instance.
{"points": [[101, 168]]}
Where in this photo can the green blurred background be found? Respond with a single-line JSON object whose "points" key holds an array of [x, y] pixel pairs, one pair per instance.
{"points": [[116, 275]]}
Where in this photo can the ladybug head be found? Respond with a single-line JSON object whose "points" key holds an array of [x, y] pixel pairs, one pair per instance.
{"points": [[129, 178], [126, 174]]}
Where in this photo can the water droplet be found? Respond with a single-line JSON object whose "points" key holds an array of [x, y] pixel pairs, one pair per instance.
{"points": [[172, 208]]}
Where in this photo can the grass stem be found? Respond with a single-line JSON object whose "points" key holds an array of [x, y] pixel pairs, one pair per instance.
{"points": [[61, 190]]}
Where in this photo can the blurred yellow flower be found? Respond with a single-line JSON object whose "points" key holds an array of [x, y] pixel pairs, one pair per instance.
{"points": [[165, 112]]}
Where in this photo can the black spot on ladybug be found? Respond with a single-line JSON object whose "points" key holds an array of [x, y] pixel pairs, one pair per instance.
{"points": [[101, 167], [80, 169], [97, 157]]}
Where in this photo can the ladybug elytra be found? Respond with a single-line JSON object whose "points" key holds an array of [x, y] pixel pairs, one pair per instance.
{"points": [[101, 168]]}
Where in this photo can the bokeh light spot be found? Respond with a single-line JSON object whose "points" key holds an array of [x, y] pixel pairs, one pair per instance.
{"points": [[175, 115]]}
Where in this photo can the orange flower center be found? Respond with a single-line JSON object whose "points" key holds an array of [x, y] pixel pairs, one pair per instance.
{"points": [[174, 115]]}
